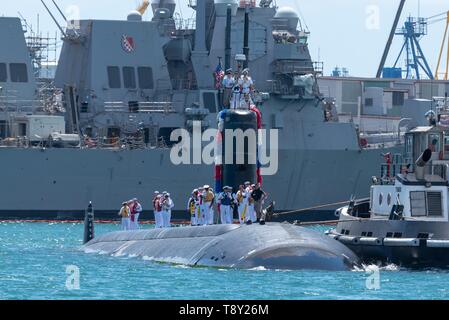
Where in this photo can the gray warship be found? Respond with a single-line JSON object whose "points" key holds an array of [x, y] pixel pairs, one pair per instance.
{"points": [[124, 86]]}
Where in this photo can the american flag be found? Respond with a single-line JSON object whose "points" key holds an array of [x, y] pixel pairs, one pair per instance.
{"points": [[219, 74]]}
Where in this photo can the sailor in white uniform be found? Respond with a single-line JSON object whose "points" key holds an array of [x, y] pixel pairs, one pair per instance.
{"points": [[208, 205], [167, 206], [157, 207], [229, 82], [246, 85], [251, 203], [226, 199]]}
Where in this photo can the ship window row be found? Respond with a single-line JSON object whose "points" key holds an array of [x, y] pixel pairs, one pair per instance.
{"points": [[17, 72], [128, 75]]}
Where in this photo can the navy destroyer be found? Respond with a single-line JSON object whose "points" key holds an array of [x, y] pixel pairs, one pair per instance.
{"points": [[127, 85]]}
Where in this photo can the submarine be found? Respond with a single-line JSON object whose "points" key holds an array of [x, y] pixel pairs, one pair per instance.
{"points": [[273, 246]]}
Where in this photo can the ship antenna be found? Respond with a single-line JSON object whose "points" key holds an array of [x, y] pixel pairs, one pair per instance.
{"points": [[246, 36]]}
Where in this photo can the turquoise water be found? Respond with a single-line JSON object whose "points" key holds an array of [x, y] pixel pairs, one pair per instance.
{"points": [[34, 258]]}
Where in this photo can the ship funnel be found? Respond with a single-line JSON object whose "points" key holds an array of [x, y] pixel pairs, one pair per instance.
{"points": [[421, 163]]}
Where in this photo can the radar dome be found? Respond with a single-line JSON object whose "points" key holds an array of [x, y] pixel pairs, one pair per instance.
{"points": [[221, 7], [164, 4], [134, 16], [289, 14]]}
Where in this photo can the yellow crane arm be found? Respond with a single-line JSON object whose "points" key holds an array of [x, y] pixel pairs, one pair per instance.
{"points": [[445, 75], [143, 7]]}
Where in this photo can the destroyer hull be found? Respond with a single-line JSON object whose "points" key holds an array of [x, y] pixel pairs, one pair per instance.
{"points": [[59, 183]]}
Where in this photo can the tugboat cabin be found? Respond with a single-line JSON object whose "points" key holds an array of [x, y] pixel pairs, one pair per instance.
{"points": [[421, 187]]}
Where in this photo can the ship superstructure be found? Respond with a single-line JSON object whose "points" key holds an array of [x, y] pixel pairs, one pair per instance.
{"points": [[127, 85]]}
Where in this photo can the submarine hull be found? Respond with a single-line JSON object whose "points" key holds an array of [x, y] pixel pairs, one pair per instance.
{"points": [[272, 246]]}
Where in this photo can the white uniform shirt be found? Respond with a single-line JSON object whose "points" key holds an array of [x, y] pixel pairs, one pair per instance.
{"points": [[229, 82], [246, 84]]}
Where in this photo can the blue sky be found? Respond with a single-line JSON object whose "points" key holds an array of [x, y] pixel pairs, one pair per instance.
{"points": [[345, 33]]}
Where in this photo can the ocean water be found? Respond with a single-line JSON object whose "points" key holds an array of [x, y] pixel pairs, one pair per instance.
{"points": [[40, 260]]}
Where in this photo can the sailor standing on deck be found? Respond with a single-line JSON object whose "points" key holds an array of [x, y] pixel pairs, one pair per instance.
{"points": [[137, 208], [229, 82], [246, 83], [201, 207], [209, 201], [251, 202], [259, 197], [192, 208], [167, 206], [236, 93], [157, 209], [125, 213], [242, 200], [226, 199]]}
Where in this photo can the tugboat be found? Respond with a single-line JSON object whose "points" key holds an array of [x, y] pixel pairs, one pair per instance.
{"points": [[406, 219]]}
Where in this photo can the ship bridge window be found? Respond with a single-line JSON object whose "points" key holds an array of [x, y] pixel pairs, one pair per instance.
{"points": [[3, 75], [129, 77], [145, 75], [18, 72], [114, 78]]}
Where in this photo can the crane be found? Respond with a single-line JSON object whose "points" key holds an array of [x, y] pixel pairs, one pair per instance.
{"points": [[434, 19], [142, 8], [390, 39]]}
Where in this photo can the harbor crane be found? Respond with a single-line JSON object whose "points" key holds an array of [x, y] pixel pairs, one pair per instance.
{"points": [[442, 75], [412, 31], [390, 39]]}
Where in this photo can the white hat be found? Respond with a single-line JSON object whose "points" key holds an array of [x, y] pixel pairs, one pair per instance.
{"points": [[156, 192], [206, 187]]}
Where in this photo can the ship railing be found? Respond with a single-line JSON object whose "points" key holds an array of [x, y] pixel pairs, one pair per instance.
{"points": [[124, 143], [184, 24], [17, 142], [294, 68], [140, 107], [281, 88], [389, 172]]}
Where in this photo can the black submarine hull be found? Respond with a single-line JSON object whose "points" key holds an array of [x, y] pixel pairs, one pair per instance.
{"points": [[272, 246]]}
